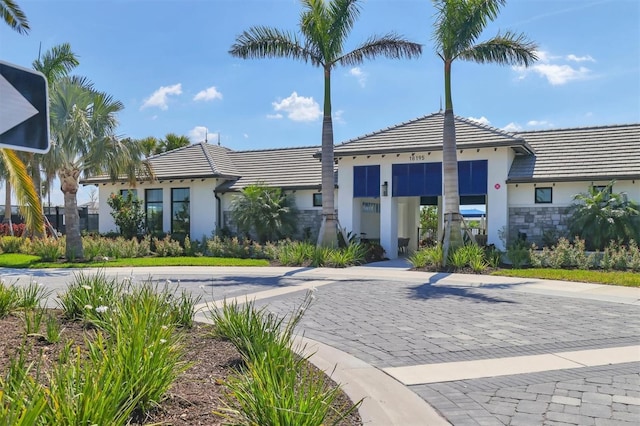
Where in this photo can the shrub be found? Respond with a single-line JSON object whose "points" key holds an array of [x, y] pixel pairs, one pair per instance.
{"points": [[87, 292], [18, 229], [167, 247], [428, 257], [49, 249], [128, 214], [9, 299], [277, 387], [600, 216], [267, 212], [10, 244]]}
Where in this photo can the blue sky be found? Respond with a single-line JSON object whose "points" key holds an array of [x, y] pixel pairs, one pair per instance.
{"points": [[168, 62]]}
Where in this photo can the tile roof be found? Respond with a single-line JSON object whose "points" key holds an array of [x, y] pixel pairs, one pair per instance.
{"points": [[294, 168], [199, 160], [425, 134], [194, 161], [589, 153]]}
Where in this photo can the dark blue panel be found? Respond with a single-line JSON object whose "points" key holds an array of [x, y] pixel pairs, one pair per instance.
{"points": [[366, 181], [416, 179], [433, 179], [472, 177]]}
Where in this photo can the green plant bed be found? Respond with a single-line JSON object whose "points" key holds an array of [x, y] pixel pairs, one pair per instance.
{"points": [[153, 261], [627, 279], [17, 260]]}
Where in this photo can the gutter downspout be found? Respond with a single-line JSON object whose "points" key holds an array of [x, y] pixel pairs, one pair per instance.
{"points": [[219, 210]]}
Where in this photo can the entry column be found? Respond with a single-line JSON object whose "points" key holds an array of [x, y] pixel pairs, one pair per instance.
{"points": [[388, 214]]}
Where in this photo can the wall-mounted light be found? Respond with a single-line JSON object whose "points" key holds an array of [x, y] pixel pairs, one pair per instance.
{"points": [[385, 188]]}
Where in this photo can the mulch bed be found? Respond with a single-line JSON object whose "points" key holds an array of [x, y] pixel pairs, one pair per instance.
{"points": [[193, 398]]}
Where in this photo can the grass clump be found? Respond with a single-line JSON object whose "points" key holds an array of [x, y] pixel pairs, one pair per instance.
{"points": [[276, 387]]}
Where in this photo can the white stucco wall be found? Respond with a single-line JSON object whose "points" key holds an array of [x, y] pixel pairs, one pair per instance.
{"points": [[404, 211], [203, 211], [523, 194]]}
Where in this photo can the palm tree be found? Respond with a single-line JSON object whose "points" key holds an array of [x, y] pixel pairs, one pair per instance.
{"points": [[324, 27], [172, 141], [26, 194], [15, 172], [601, 216], [458, 25], [83, 123], [14, 16]]}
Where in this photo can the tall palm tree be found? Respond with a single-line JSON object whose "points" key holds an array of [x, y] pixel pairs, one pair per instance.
{"points": [[13, 16], [459, 23], [324, 27], [83, 123]]}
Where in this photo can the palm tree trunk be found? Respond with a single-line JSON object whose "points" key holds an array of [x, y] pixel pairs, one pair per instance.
{"points": [[7, 201], [328, 235], [69, 185], [453, 221]]}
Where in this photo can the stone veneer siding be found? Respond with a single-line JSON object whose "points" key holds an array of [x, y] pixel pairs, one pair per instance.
{"points": [[308, 224], [535, 221]]}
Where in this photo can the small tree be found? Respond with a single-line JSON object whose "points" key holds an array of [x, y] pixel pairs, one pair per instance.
{"points": [[267, 212], [128, 214], [600, 216]]}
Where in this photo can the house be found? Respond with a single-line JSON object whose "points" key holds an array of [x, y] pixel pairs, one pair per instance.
{"points": [[198, 182], [525, 180]]}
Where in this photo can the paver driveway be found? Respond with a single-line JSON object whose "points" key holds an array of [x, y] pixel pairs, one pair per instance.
{"points": [[394, 319]]}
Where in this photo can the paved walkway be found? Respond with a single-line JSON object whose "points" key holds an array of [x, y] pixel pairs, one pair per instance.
{"points": [[445, 348]]}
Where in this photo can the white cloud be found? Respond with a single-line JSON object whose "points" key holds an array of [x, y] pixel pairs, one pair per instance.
{"points": [[246, 136], [512, 127], [337, 117], [200, 134], [208, 94], [160, 97], [539, 123], [575, 58], [482, 120], [556, 72], [360, 75], [274, 116], [298, 108]]}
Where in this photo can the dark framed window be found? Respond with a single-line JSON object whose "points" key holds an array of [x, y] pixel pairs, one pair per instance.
{"points": [[125, 192], [180, 211], [317, 199], [544, 195], [601, 188], [153, 209]]}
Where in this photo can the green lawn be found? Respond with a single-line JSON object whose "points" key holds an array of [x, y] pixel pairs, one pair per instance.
{"points": [[13, 260], [628, 279]]}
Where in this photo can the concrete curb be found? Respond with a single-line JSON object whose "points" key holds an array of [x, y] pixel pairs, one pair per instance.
{"points": [[385, 401]]}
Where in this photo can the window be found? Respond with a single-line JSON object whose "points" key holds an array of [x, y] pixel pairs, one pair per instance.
{"points": [[125, 192], [544, 195], [180, 211], [317, 199], [153, 209]]}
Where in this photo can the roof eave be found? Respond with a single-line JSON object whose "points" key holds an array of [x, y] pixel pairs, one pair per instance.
{"points": [[522, 148], [572, 178]]}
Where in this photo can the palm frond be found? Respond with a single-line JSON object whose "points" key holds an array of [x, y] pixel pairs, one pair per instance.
{"points": [[507, 49], [14, 16], [56, 63], [390, 46], [265, 42], [26, 194]]}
